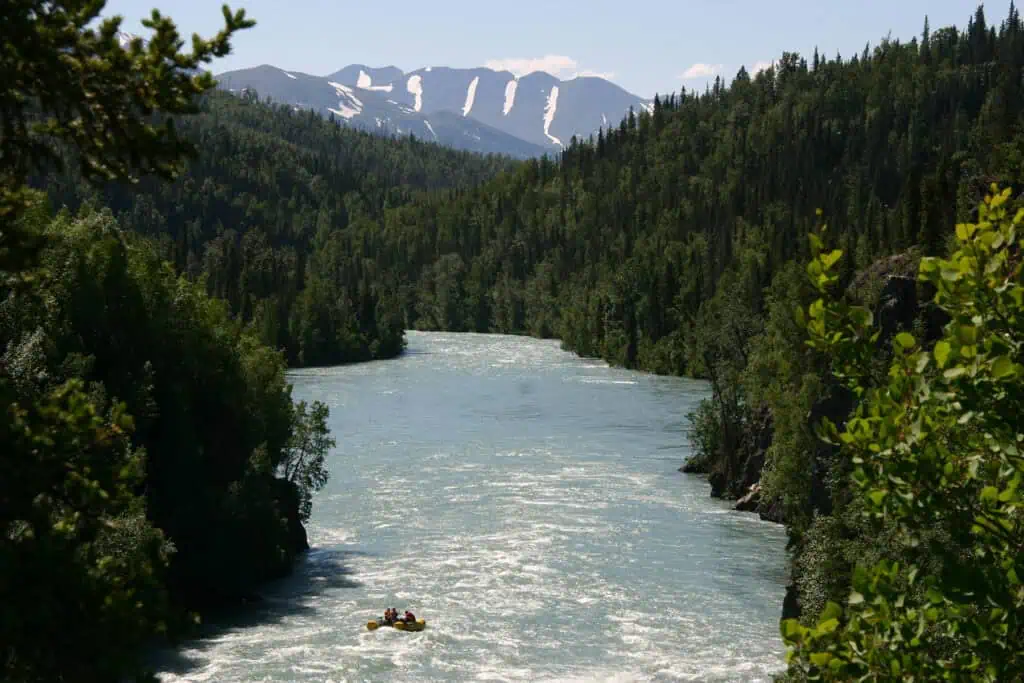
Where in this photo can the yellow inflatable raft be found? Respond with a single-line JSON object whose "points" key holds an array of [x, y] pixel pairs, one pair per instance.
{"points": [[398, 625]]}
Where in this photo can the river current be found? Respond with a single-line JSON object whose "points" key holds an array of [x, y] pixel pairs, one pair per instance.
{"points": [[527, 504]]}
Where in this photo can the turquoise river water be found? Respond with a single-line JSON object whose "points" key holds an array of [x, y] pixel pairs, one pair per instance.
{"points": [[527, 504]]}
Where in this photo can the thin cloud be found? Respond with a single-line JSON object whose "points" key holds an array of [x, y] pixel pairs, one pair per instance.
{"points": [[701, 70], [758, 67], [587, 73], [556, 65]]}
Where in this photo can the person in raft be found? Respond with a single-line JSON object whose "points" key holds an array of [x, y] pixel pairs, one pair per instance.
{"points": [[390, 615], [410, 618]]}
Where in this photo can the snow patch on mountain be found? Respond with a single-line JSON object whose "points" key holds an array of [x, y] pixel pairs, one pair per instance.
{"points": [[344, 111], [510, 95], [341, 89], [549, 114], [348, 105], [365, 82], [415, 86], [288, 75], [604, 120], [430, 127], [470, 96]]}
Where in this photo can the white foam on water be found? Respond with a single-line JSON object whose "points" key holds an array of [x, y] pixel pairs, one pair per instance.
{"points": [[602, 380], [561, 552]]}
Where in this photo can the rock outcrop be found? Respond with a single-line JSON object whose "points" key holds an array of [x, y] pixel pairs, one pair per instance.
{"points": [[751, 502]]}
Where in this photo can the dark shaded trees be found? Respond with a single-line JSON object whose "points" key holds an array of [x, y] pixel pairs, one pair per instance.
{"points": [[142, 426]]}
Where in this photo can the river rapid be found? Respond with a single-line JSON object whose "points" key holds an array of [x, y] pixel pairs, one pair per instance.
{"points": [[527, 504]]}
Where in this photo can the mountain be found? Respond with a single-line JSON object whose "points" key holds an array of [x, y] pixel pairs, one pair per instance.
{"points": [[372, 107], [476, 109]]}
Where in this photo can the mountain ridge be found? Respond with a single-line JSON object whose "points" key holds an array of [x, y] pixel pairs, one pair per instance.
{"points": [[523, 116]]}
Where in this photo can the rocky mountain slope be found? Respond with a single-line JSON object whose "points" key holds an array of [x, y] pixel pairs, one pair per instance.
{"points": [[478, 109]]}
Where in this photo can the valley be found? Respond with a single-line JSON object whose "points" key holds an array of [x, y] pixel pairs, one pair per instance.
{"points": [[279, 350]]}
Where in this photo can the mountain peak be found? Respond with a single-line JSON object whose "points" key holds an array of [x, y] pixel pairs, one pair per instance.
{"points": [[527, 114]]}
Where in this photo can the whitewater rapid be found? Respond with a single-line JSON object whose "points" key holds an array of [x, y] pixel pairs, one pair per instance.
{"points": [[526, 503]]}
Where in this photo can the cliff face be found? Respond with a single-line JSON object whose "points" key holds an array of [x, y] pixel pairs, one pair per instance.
{"points": [[898, 303]]}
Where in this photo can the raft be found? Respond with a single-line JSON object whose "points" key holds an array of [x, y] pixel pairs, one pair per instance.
{"points": [[398, 625]]}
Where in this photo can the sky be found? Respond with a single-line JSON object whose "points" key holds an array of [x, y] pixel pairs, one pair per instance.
{"points": [[648, 47]]}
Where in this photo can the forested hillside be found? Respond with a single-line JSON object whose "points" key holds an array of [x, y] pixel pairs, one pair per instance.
{"points": [[152, 461], [264, 213], [676, 243], [615, 247]]}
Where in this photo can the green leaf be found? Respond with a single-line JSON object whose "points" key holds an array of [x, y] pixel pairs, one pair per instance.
{"points": [[950, 274], [967, 334], [877, 496], [905, 339], [817, 309], [791, 628], [954, 372], [964, 231], [815, 241], [855, 598], [941, 352], [830, 258], [828, 626], [832, 611], [922, 363], [1002, 367], [820, 659]]}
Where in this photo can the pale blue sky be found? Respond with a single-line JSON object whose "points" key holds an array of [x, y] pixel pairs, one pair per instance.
{"points": [[645, 46]]}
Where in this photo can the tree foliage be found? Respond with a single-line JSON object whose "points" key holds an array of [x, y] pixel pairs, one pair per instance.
{"points": [[276, 212], [66, 82], [142, 426], [614, 246], [304, 462], [935, 445]]}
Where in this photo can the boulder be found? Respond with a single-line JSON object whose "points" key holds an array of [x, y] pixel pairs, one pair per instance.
{"points": [[694, 466], [791, 603], [751, 501]]}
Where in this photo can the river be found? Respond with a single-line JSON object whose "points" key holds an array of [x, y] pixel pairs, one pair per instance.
{"points": [[527, 504]]}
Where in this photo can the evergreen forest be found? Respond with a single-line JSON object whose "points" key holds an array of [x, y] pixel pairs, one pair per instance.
{"points": [[831, 242]]}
